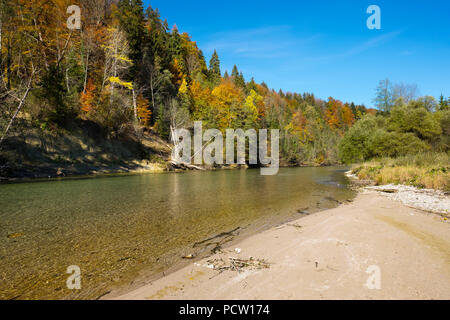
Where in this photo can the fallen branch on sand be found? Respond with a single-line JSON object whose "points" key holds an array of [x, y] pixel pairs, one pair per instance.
{"points": [[220, 235], [183, 165], [295, 226], [226, 237], [223, 237], [236, 264]]}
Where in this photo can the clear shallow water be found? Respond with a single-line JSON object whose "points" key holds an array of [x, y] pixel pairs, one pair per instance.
{"points": [[118, 229]]}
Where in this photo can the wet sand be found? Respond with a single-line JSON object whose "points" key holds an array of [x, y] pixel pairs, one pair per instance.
{"points": [[334, 254]]}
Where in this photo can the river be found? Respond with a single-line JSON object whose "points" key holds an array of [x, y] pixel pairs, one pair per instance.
{"points": [[126, 229]]}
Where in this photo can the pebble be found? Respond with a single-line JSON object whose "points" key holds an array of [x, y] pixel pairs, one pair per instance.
{"points": [[424, 199]]}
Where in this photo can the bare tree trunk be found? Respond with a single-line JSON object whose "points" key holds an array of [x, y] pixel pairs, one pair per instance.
{"points": [[21, 102], [8, 63], [114, 72], [86, 69], [61, 54], [19, 107], [42, 42], [67, 80], [135, 105]]}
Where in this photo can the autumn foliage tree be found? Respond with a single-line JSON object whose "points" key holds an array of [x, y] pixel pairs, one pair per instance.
{"points": [[126, 67], [87, 98]]}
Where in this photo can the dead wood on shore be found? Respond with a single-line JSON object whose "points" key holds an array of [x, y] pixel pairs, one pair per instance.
{"points": [[220, 235], [185, 166], [239, 265]]}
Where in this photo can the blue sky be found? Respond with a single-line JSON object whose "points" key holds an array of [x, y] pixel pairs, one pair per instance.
{"points": [[322, 46]]}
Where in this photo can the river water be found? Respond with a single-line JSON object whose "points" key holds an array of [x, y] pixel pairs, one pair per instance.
{"points": [[122, 229]]}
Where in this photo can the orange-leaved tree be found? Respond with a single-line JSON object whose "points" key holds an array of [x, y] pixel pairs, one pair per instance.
{"points": [[88, 96]]}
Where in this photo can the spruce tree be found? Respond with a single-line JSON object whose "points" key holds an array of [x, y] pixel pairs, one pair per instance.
{"points": [[235, 72], [214, 68], [240, 80], [238, 77], [252, 85], [443, 103], [131, 18]]}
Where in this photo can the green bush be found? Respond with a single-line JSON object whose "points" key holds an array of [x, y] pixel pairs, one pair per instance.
{"points": [[414, 120], [395, 144], [407, 129], [354, 147]]}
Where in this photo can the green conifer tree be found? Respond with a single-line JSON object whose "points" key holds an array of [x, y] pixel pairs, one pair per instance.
{"points": [[214, 68]]}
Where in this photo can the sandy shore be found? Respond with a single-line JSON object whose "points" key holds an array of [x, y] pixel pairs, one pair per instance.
{"points": [[335, 254]]}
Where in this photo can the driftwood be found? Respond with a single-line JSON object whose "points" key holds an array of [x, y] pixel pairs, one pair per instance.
{"points": [[388, 190], [303, 210], [235, 264], [183, 165], [224, 238], [102, 295], [295, 226], [220, 235], [219, 244]]}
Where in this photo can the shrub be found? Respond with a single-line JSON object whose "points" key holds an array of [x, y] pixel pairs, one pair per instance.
{"points": [[419, 121], [394, 144], [354, 147]]}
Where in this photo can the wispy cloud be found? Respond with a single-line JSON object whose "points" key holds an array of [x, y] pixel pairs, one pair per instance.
{"points": [[372, 43], [356, 49], [264, 42], [272, 42]]}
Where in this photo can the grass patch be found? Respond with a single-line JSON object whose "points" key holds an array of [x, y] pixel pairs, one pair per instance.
{"points": [[423, 170]]}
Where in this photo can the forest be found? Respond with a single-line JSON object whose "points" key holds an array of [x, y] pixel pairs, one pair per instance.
{"points": [[128, 72]]}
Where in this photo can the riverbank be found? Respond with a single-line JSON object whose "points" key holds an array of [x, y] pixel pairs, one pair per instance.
{"points": [[435, 201], [428, 170], [82, 149], [324, 256]]}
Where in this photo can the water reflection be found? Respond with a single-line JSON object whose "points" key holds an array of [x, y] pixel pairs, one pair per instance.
{"points": [[116, 228]]}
